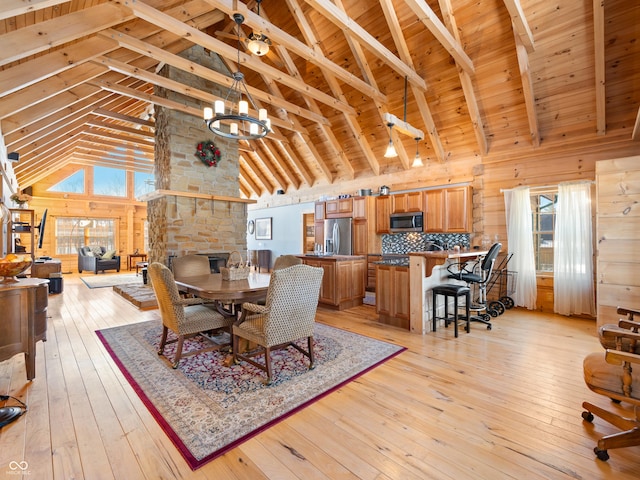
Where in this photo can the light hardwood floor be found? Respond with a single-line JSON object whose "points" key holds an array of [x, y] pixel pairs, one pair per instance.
{"points": [[496, 404]]}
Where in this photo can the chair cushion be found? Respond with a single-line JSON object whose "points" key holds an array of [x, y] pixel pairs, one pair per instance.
{"points": [[450, 289], [601, 374]]}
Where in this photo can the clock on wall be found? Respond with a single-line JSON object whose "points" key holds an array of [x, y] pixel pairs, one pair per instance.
{"points": [[251, 227]]}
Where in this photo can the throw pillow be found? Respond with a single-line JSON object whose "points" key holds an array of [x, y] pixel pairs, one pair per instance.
{"points": [[109, 254], [89, 254], [97, 251]]}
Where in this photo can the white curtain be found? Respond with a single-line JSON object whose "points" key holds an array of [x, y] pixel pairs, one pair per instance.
{"points": [[520, 240], [573, 291]]}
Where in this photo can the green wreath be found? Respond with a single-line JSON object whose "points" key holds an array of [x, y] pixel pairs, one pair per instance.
{"points": [[208, 153]]}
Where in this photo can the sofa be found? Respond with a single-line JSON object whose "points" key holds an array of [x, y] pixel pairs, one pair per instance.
{"points": [[97, 259]]}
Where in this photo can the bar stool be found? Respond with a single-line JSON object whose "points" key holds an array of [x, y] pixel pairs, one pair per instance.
{"points": [[451, 290]]}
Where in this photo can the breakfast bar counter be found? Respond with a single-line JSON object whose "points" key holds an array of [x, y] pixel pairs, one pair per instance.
{"points": [[426, 270]]}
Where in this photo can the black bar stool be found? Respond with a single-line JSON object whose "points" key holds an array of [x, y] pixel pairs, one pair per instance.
{"points": [[451, 290]]}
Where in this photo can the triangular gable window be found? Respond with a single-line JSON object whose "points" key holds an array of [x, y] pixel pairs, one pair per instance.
{"points": [[72, 184]]}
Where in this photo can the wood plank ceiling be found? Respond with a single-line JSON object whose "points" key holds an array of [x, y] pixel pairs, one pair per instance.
{"points": [[77, 80]]}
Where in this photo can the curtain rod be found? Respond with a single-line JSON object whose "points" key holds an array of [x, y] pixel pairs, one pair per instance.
{"points": [[547, 187]]}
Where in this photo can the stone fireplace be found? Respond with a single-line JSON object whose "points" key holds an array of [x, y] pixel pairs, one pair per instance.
{"points": [[181, 221]]}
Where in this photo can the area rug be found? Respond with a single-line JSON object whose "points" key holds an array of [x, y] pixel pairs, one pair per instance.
{"points": [[109, 280], [207, 408], [139, 294]]}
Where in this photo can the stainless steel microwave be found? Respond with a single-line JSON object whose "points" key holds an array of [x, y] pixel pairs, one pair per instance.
{"points": [[406, 222]]}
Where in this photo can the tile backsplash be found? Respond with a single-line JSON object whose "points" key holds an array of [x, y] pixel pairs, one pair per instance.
{"points": [[401, 243]]}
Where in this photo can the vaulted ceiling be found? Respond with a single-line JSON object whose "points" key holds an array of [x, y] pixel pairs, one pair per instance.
{"points": [[481, 77]]}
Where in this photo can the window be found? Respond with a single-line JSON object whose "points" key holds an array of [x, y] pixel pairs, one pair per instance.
{"points": [[72, 184], [109, 181], [543, 211], [73, 233], [143, 183]]}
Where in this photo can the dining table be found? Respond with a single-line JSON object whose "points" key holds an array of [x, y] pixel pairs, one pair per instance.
{"points": [[236, 292]]}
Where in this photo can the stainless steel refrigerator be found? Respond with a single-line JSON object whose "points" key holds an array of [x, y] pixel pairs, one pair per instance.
{"points": [[337, 236]]}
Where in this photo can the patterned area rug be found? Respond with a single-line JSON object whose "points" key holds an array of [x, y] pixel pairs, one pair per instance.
{"points": [[207, 408]]}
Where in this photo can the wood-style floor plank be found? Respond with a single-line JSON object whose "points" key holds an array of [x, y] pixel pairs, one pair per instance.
{"points": [[504, 403]]}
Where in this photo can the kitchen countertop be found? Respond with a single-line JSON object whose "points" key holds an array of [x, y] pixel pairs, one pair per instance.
{"points": [[444, 254], [337, 258]]}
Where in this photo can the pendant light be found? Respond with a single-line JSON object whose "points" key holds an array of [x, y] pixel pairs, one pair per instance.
{"points": [[417, 161], [391, 150], [258, 43]]}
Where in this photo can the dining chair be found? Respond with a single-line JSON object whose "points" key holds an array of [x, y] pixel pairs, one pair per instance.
{"points": [[287, 316], [285, 261], [190, 266], [185, 317]]}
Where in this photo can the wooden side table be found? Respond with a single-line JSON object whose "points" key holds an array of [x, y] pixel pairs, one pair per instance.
{"points": [[131, 259]]}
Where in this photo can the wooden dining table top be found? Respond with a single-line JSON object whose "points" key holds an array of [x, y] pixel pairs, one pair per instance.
{"points": [[213, 287]]}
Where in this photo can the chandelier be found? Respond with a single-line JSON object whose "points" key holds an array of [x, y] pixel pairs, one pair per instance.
{"points": [[235, 122]]}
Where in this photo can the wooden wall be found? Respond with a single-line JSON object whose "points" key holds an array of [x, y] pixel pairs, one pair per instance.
{"points": [[130, 214], [618, 236]]}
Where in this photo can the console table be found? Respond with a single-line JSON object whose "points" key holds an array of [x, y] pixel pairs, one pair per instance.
{"points": [[24, 319]]}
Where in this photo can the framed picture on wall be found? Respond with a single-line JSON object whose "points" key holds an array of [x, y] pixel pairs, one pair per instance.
{"points": [[263, 228]]}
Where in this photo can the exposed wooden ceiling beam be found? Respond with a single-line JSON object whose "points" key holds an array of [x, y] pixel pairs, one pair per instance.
{"points": [[636, 128], [196, 36], [435, 26], [465, 80], [11, 8], [520, 24], [527, 91], [199, 70], [125, 118], [291, 43], [146, 135], [36, 38], [32, 71], [599, 63], [339, 18]]}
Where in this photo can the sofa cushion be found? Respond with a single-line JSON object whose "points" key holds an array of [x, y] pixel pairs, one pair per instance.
{"points": [[109, 254], [97, 252]]}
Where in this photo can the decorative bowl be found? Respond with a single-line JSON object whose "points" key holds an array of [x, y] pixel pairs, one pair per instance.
{"points": [[13, 265]]}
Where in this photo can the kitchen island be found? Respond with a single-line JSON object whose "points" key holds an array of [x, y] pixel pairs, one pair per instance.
{"points": [[426, 270], [344, 279]]}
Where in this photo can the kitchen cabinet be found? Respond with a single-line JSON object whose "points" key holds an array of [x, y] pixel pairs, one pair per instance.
{"points": [[433, 211], [448, 210], [364, 235], [407, 202], [383, 211], [340, 208], [458, 209], [343, 280], [392, 295], [319, 211], [360, 208]]}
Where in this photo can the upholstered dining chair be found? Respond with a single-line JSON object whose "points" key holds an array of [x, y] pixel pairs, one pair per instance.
{"points": [[288, 315], [611, 374], [185, 317], [285, 261], [190, 266]]}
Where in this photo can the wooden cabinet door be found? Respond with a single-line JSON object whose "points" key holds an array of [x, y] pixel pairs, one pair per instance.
{"points": [[407, 202], [319, 212], [359, 278], [401, 293], [344, 278], [342, 207], [458, 209], [360, 238], [319, 232], [328, 287], [434, 211], [360, 208], [383, 211], [384, 290], [371, 271]]}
